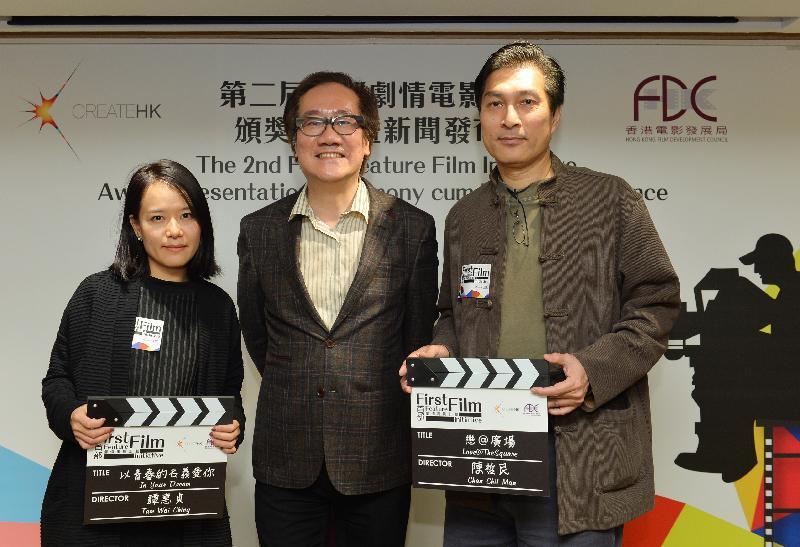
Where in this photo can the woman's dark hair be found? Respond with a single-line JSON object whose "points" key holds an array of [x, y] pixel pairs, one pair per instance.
{"points": [[130, 260]]}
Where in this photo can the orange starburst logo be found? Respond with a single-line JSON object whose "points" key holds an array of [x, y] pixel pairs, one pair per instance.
{"points": [[42, 111]]}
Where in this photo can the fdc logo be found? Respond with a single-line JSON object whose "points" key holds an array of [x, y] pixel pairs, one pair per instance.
{"points": [[673, 97]]}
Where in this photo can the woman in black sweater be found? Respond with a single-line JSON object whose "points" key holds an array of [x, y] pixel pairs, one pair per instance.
{"points": [[164, 257]]}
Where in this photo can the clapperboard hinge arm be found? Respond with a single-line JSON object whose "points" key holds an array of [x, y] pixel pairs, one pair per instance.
{"points": [[161, 411], [478, 372]]}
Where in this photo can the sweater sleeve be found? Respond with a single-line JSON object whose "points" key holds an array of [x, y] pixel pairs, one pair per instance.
{"points": [[58, 385], [649, 305]]}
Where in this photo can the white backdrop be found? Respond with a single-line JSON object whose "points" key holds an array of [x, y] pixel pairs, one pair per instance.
{"points": [[724, 183]]}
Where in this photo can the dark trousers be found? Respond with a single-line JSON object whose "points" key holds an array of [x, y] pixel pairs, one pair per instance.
{"points": [[319, 515]]}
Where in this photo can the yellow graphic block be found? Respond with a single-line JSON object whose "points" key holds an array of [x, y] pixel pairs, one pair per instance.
{"points": [[749, 487], [695, 528]]}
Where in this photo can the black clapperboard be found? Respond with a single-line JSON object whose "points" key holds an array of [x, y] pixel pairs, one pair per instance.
{"points": [[476, 426], [159, 463]]}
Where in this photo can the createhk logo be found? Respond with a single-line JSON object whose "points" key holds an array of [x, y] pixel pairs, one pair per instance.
{"points": [[503, 410], [43, 111]]}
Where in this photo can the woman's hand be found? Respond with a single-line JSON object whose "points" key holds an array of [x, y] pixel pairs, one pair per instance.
{"points": [[89, 432], [225, 436]]}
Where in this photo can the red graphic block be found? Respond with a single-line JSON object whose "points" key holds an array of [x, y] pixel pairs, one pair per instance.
{"points": [[784, 441], [20, 534], [786, 480], [652, 528], [758, 516]]}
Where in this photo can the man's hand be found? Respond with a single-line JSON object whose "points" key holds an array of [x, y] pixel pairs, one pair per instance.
{"points": [[89, 432], [425, 352], [224, 436], [568, 394]]}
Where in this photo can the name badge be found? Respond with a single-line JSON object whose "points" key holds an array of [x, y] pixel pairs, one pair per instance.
{"points": [[475, 281], [147, 334]]}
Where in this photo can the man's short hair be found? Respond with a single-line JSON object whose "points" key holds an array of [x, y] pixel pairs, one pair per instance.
{"points": [[367, 103], [517, 54]]}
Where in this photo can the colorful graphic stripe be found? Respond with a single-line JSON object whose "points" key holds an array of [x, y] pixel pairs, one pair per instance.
{"points": [[22, 485]]}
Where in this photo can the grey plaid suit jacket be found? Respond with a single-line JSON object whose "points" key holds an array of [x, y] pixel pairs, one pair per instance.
{"points": [[334, 395]]}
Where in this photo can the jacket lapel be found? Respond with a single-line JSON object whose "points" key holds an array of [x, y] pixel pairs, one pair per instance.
{"points": [[375, 241]]}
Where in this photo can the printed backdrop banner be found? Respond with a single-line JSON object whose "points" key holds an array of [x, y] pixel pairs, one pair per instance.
{"points": [[706, 132]]}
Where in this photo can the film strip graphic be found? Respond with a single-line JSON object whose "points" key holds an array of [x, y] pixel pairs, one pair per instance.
{"points": [[478, 372], [161, 411], [770, 454], [769, 467]]}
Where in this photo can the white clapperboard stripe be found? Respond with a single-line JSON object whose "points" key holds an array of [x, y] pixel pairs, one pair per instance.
{"points": [[191, 411], [215, 411], [161, 411], [528, 372], [141, 411], [504, 373], [455, 372], [478, 373], [164, 411]]}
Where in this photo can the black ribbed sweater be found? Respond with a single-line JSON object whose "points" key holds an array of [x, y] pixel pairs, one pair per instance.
{"points": [[171, 371]]}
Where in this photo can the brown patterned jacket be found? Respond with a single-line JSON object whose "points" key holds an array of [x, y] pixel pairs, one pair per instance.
{"points": [[610, 298], [332, 395]]}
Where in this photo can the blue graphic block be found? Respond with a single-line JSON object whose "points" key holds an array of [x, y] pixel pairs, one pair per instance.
{"points": [[785, 530], [794, 430], [22, 485]]}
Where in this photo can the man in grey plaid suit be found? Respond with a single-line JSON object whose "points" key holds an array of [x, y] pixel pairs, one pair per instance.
{"points": [[337, 284]]}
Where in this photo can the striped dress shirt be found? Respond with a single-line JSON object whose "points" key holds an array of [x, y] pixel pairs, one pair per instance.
{"points": [[329, 257]]}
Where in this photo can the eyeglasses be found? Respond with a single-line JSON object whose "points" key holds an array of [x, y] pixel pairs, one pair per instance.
{"points": [[520, 227], [314, 126]]}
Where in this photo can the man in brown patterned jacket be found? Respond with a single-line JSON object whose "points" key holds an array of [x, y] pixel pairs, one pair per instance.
{"points": [[337, 283], [579, 276]]}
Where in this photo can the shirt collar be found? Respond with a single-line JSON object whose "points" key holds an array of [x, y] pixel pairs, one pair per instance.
{"points": [[549, 183], [360, 203], [529, 193]]}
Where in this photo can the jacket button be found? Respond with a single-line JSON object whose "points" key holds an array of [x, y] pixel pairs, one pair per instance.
{"points": [[320, 393], [329, 343]]}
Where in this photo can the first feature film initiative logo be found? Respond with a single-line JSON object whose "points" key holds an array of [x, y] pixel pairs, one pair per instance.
{"points": [[667, 109]]}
